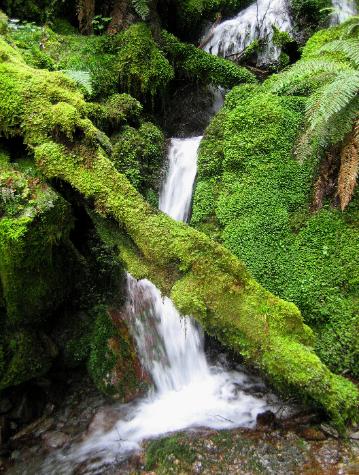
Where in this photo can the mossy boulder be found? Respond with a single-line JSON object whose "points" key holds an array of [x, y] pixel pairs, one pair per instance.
{"points": [[255, 197], [34, 252], [24, 355]]}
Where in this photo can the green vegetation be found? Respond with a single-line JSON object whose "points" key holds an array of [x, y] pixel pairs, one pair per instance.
{"points": [[256, 196], [81, 171], [161, 453]]}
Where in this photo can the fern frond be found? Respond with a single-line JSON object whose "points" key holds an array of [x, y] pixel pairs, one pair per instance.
{"points": [[141, 7], [349, 168], [289, 80], [82, 78], [349, 48], [350, 26], [332, 98]]}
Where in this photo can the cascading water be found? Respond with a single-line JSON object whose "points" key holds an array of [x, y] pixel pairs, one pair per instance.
{"points": [[176, 193], [188, 391], [343, 9], [231, 37]]}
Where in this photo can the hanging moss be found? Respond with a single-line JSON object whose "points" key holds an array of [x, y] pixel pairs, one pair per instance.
{"points": [[142, 66], [139, 154], [194, 63]]}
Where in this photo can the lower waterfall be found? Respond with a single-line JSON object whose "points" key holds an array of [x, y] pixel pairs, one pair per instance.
{"points": [[188, 391]]}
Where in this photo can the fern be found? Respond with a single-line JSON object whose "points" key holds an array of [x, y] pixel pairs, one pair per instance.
{"points": [[349, 48], [142, 9], [332, 110], [322, 70], [332, 98], [82, 78]]}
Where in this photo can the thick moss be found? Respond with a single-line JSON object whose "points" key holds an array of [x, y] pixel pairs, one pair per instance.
{"points": [[143, 68], [139, 154], [257, 198], [196, 64], [203, 278], [34, 228]]}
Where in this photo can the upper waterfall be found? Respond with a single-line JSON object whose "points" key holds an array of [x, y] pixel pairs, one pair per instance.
{"points": [[343, 9], [231, 37]]}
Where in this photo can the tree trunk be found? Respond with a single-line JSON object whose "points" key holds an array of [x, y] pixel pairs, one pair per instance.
{"points": [[85, 15], [121, 15]]}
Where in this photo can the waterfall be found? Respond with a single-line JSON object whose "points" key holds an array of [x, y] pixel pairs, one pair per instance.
{"points": [[176, 194], [188, 391], [231, 37], [343, 9]]}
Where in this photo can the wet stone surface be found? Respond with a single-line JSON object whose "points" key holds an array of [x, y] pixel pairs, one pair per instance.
{"points": [[297, 445]]}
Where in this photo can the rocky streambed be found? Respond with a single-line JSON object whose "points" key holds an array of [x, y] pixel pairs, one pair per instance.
{"points": [[299, 444]]}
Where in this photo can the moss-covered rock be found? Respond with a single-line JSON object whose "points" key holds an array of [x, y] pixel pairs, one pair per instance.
{"points": [[203, 278], [113, 363], [139, 154], [34, 226], [24, 355]]}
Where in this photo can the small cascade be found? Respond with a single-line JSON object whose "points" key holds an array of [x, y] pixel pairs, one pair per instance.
{"points": [[176, 193], [188, 392], [231, 37], [343, 9]]}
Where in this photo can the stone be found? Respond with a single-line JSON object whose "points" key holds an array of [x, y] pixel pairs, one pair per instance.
{"points": [[311, 433], [55, 439], [266, 418], [329, 430]]}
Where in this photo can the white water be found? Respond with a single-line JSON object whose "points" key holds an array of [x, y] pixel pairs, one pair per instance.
{"points": [[231, 37], [343, 10], [188, 391], [176, 193]]}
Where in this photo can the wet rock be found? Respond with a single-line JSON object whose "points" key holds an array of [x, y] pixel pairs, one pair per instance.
{"points": [[55, 439], [354, 436], [36, 428], [103, 420], [266, 419], [311, 433], [329, 430]]}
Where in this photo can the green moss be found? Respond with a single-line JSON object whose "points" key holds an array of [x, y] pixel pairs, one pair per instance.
{"points": [[161, 453], [203, 278], [117, 110], [308, 14], [34, 227], [23, 356], [3, 23], [255, 197], [196, 64], [139, 154], [143, 68], [113, 363]]}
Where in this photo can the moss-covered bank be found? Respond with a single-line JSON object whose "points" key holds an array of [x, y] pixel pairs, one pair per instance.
{"points": [[254, 196]]}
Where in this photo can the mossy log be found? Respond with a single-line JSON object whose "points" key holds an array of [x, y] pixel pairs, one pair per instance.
{"points": [[203, 278]]}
